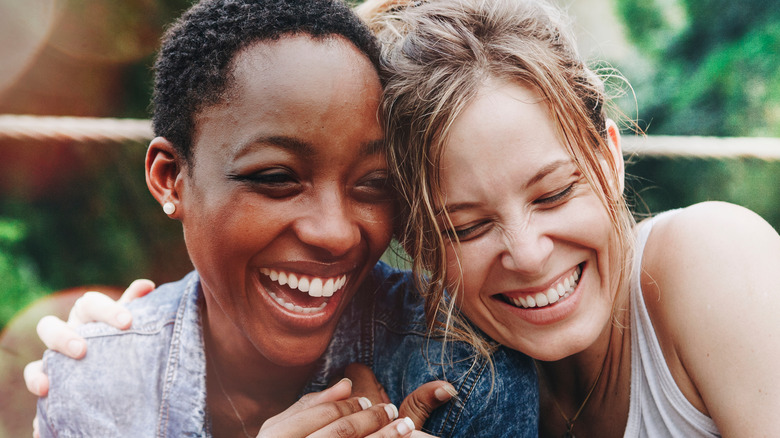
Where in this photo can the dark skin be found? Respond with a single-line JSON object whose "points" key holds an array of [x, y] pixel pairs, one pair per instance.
{"points": [[287, 175]]}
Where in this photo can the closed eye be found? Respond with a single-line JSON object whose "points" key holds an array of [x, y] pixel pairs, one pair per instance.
{"points": [[557, 196], [468, 232], [275, 183], [375, 187]]}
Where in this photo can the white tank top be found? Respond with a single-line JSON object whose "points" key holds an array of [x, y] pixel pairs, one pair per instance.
{"points": [[658, 408]]}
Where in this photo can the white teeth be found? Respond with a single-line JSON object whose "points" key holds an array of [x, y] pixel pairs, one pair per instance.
{"points": [[292, 281], [328, 288], [314, 286], [295, 308], [554, 294]]}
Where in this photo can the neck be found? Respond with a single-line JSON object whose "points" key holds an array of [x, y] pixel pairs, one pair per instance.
{"points": [[243, 388], [601, 373]]}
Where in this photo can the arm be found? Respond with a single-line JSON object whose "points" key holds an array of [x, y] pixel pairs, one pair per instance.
{"points": [[713, 297]]}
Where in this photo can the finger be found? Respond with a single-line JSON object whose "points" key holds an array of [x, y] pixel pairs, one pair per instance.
{"points": [[361, 423], [36, 433], [97, 307], [364, 383], [314, 418], [37, 382], [337, 392], [137, 289], [422, 401], [57, 335], [402, 427]]}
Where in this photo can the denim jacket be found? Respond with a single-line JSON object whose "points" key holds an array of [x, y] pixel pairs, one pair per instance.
{"points": [[150, 380]]}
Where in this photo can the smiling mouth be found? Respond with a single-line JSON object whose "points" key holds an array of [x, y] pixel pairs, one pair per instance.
{"points": [[557, 292], [314, 291]]}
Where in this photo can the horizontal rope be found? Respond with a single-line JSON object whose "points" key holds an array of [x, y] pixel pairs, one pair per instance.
{"points": [[82, 129], [43, 128], [764, 148]]}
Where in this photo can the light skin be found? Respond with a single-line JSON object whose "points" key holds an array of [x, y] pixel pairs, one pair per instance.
{"points": [[527, 221], [286, 177]]}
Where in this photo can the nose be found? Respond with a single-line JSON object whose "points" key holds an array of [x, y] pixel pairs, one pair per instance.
{"points": [[329, 225], [526, 249]]}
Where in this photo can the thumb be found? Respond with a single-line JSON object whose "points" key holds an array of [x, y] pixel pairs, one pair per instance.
{"points": [[422, 401]]}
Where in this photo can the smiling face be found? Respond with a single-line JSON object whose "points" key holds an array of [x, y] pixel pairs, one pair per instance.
{"points": [[285, 208], [535, 238]]}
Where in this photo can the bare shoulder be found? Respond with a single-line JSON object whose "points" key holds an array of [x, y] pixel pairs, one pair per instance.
{"points": [[712, 254], [709, 284], [709, 236]]}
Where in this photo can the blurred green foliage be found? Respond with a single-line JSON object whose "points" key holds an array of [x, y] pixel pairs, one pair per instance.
{"points": [[711, 68], [21, 283], [98, 224]]}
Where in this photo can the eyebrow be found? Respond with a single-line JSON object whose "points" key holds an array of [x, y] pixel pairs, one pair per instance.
{"points": [[546, 170], [302, 148], [540, 175]]}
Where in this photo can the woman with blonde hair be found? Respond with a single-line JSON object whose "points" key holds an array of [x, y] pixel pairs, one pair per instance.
{"points": [[513, 178]]}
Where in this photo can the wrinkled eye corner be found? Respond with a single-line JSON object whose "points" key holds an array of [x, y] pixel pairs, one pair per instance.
{"points": [[557, 197]]}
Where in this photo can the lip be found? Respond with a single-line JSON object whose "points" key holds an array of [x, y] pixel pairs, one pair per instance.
{"points": [[326, 307], [551, 313]]}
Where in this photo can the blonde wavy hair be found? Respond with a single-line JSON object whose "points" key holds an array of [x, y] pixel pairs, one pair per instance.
{"points": [[436, 55]]}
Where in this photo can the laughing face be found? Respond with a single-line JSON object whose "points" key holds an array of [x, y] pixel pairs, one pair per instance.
{"points": [[535, 238], [285, 207]]}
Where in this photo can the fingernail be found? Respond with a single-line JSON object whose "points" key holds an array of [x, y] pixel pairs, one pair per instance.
{"points": [[405, 426], [364, 403], [123, 318], [345, 379], [445, 392], [392, 411], [75, 347], [36, 386]]}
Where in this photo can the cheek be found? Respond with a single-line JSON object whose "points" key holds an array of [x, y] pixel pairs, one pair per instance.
{"points": [[467, 271], [377, 225]]}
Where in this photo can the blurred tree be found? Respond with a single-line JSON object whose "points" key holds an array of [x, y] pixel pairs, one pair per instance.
{"points": [[716, 65], [17, 272], [714, 70]]}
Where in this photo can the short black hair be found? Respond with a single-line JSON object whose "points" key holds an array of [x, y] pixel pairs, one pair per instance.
{"points": [[193, 67]]}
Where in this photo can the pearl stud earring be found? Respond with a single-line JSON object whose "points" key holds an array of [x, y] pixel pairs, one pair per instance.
{"points": [[169, 208]]}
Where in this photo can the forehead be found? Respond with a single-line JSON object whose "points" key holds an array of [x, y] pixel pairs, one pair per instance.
{"points": [[321, 92], [506, 126]]}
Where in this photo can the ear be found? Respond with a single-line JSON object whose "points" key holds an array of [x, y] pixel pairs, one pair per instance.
{"points": [[164, 173], [616, 151]]}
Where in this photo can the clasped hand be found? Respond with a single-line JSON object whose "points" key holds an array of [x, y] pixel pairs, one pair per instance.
{"points": [[356, 406]]}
